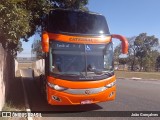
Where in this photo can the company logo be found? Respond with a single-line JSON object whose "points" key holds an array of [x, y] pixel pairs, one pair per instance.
{"points": [[87, 92], [81, 39]]}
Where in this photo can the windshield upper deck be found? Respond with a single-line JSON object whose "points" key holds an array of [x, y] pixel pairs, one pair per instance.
{"points": [[77, 22]]}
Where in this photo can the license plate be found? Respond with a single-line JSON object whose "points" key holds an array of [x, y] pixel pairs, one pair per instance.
{"points": [[86, 102]]}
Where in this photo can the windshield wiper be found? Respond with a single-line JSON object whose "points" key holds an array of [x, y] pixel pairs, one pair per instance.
{"points": [[100, 72], [108, 73], [70, 74]]}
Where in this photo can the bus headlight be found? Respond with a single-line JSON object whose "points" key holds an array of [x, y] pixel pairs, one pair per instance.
{"points": [[111, 84], [56, 87]]}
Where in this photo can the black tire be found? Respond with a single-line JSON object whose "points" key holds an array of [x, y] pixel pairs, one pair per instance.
{"points": [[43, 86], [33, 74]]}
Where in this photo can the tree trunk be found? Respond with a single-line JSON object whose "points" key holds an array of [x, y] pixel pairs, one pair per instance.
{"points": [[133, 61], [141, 62]]}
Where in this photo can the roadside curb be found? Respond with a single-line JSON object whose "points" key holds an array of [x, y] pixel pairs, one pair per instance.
{"points": [[135, 78]]}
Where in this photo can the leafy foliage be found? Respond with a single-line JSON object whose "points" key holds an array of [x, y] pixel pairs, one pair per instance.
{"points": [[21, 18], [123, 61], [117, 52], [143, 52], [144, 45], [16, 21], [37, 49], [73, 4], [13, 24], [132, 60]]}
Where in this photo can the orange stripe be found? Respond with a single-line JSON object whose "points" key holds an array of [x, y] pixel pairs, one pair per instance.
{"points": [[80, 39], [81, 84]]}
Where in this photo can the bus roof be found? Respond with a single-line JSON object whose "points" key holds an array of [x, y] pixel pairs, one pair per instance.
{"points": [[76, 22], [76, 10]]}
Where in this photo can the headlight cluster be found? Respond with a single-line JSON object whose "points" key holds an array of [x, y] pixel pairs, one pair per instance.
{"points": [[56, 87], [60, 88], [111, 84]]}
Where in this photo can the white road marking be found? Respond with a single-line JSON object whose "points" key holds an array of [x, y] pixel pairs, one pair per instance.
{"points": [[25, 98], [135, 78]]}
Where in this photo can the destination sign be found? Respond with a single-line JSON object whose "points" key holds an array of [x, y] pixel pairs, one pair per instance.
{"points": [[74, 47], [67, 46]]}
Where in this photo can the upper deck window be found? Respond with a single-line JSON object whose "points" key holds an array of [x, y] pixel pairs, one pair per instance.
{"points": [[76, 22]]}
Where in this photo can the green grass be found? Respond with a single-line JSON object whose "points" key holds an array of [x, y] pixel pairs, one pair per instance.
{"points": [[143, 75]]}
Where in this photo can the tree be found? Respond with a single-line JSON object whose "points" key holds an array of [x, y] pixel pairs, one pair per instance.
{"points": [[123, 61], [21, 18], [117, 52], [132, 60], [73, 4], [37, 49], [13, 24], [152, 60], [143, 51], [144, 45], [18, 19]]}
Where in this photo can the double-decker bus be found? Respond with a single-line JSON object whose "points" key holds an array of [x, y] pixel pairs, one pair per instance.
{"points": [[79, 66]]}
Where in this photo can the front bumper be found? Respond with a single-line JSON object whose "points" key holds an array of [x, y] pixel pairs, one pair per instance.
{"points": [[61, 98]]}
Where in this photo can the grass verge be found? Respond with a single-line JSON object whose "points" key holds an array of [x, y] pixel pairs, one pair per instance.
{"points": [[143, 75]]}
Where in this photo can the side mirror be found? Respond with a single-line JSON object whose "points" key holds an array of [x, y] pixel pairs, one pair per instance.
{"points": [[45, 42], [124, 42]]}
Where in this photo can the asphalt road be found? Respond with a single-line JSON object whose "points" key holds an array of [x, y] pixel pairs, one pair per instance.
{"points": [[132, 95]]}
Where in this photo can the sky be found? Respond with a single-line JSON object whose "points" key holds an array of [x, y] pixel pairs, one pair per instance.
{"points": [[126, 17]]}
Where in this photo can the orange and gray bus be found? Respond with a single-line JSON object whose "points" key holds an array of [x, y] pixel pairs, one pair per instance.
{"points": [[79, 66]]}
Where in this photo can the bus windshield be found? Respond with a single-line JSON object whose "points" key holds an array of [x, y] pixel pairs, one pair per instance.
{"points": [[76, 22], [81, 61]]}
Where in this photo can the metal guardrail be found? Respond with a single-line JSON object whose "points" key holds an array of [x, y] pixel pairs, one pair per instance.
{"points": [[25, 59]]}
